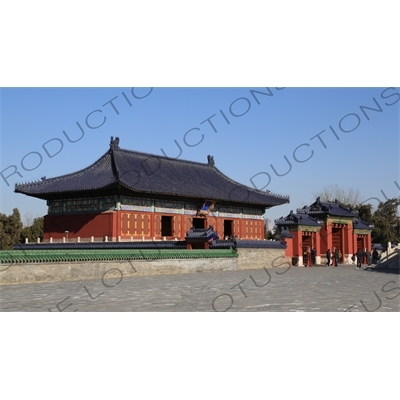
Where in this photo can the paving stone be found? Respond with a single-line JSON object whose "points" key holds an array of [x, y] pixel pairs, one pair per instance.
{"points": [[292, 289]]}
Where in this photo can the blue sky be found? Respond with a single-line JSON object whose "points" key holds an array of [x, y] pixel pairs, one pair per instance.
{"points": [[221, 44], [263, 129]]}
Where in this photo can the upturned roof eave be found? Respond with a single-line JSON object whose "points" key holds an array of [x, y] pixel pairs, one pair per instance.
{"points": [[19, 187], [48, 195], [196, 197], [259, 192]]}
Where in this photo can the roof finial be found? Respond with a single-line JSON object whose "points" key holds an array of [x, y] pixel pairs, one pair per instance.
{"points": [[210, 160], [114, 143]]}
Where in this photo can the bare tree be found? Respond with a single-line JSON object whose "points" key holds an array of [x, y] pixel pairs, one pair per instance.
{"points": [[350, 197], [28, 220]]}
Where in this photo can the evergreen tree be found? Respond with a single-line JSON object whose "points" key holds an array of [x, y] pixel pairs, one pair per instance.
{"points": [[365, 212], [33, 232], [37, 228], [26, 234], [10, 229], [386, 222], [2, 221]]}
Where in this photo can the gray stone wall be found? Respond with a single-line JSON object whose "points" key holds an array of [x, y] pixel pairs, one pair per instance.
{"points": [[260, 258], [52, 272]]}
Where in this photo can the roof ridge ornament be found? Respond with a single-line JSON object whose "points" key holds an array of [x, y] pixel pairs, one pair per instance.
{"points": [[114, 143], [210, 160], [294, 217]]}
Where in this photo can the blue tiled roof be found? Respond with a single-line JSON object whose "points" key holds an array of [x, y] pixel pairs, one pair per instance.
{"points": [[360, 224], [151, 174], [286, 234], [318, 208], [379, 246], [299, 218], [223, 244], [247, 244], [260, 244], [150, 245], [98, 175], [201, 235], [331, 208]]}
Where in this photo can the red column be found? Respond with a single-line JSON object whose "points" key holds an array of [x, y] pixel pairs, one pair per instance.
{"points": [[348, 237], [300, 243], [354, 236], [183, 225], [297, 244], [318, 244], [115, 216], [326, 237], [369, 242]]}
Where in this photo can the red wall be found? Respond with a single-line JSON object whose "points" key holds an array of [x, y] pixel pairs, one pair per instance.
{"points": [[135, 224], [82, 225]]}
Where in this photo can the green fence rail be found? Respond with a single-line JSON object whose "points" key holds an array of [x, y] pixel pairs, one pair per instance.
{"points": [[55, 256]]}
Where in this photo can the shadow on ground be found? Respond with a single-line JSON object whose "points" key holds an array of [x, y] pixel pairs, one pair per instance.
{"points": [[395, 271], [389, 266]]}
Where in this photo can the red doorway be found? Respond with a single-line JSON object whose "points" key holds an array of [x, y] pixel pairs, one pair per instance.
{"points": [[306, 245], [199, 223], [337, 238]]}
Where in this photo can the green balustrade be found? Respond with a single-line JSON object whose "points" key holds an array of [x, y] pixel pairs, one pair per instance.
{"points": [[87, 255]]}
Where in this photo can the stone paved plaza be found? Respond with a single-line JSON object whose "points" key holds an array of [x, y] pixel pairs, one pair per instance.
{"points": [[275, 289]]}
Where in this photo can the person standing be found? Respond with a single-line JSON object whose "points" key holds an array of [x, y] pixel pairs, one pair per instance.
{"points": [[367, 255], [334, 256], [309, 261], [337, 257], [328, 256], [359, 256], [313, 255], [375, 257]]}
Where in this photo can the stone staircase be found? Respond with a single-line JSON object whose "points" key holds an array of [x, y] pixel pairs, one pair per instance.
{"points": [[391, 261]]}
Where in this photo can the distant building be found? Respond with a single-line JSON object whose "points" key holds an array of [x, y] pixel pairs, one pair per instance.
{"points": [[323, 226], [131, 195], [268, 224]]}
